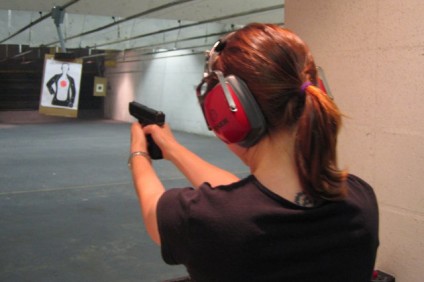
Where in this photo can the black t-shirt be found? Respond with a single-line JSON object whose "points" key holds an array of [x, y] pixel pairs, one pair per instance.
{"points": [[245, 232]]}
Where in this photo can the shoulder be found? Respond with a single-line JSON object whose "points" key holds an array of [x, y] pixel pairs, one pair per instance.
{"points": [[183, 204], [362, 196], [207, 210], [356, 180], [359, 187], [70, 78], [55, 77], [205, 193]]}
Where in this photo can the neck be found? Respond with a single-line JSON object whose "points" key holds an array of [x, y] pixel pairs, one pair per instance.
{"points": [[272, 162]]}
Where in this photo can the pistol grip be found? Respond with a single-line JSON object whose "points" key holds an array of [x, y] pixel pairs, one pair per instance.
{"points": [[153, 149]]}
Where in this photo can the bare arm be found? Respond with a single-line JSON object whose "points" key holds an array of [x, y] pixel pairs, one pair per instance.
{"points": [[194, 168], [146, 182]]}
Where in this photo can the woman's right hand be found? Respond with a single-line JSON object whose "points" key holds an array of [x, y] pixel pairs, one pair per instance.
{"points": [[163, 137]]}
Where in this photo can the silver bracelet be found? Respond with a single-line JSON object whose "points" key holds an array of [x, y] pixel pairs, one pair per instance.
{"points": [[138, 153]]}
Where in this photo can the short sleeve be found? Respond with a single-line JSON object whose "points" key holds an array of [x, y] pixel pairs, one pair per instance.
{"points": [[173, 211], [364, 196]]}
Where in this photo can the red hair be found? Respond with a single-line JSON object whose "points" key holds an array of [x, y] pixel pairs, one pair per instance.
{"points": [[274, 63]]}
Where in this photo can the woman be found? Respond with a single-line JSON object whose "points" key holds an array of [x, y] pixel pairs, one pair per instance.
{"points": [[297, 217]]}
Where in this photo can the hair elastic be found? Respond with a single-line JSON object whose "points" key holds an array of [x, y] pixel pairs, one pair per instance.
{"points": [[305, 85]]}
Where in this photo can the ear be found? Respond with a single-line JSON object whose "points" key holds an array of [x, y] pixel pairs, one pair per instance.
{"points": [[243, 122]]}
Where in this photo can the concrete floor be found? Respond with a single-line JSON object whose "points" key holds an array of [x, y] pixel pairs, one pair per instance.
{"points": [[68, 211]]}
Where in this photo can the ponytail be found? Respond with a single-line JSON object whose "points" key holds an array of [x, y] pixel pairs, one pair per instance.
{"points": [[273, 62], [315, 150]]}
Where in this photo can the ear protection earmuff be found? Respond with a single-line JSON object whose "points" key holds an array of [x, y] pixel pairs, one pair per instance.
{"points": [[323, 83], [231, 111], [229, 108]]}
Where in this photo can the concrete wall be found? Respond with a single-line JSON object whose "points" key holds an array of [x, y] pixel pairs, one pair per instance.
{"points": [[164, 82], [373, 55]]}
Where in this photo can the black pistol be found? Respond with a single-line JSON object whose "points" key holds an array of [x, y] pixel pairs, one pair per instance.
{"points": [[146, 116]]}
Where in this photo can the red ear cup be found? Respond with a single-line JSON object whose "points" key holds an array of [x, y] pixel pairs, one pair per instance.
{"points": [[245, 125], [322, 86]]}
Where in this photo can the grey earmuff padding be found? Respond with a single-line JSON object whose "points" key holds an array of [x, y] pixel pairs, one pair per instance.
{"points": [[252, 110]]}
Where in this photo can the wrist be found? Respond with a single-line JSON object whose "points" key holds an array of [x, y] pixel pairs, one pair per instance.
{"points": [[176, 152], [135, 154], [136, 146]]}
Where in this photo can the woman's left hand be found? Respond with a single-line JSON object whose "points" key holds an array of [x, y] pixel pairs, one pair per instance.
{"points": [[138, 138]]}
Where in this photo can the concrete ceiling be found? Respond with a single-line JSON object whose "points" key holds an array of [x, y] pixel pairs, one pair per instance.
{"points": [[127, 24], [196, 10]]}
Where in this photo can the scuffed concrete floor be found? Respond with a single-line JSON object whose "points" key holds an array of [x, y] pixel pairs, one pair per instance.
{"points": [[68, 211]]}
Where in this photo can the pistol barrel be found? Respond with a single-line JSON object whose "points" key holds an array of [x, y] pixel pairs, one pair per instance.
{"points": [[146, 115]]}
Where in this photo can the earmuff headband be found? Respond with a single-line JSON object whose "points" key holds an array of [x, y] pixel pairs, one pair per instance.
{"points": [[229, 108], [227, 93], [232, 105]]}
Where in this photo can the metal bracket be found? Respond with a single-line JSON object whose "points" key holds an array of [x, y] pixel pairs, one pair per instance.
{"points": [[58, 13]]}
